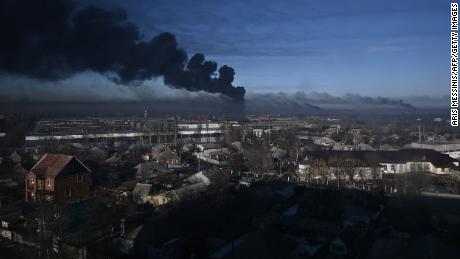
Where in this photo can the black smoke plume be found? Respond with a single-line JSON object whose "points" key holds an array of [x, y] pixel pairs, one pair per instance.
{"points": [[51, 40]]}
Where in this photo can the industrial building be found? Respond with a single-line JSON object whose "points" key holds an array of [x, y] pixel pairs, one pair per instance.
{"points": [[97, 130]]}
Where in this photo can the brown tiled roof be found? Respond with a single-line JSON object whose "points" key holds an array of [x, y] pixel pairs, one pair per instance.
{"points": [[50, 165]]}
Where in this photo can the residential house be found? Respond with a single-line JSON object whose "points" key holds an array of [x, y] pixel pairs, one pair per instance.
{"points": [[357, 131], [213, 154], [141, 192], [169, 158], [58, 178], [156, 150], [191, 188], [145, 172], [97, 154]]}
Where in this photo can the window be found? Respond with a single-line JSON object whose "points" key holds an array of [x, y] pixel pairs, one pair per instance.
{"points": [[48, 182], [68, 193], [426, 167], [80, 178], [40, 184]]}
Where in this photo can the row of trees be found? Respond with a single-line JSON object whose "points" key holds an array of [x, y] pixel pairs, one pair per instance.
{"points": [[343, 168]]}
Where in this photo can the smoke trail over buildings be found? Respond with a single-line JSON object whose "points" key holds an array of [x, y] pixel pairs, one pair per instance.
{"points": [[325, 100], [51, 40]]}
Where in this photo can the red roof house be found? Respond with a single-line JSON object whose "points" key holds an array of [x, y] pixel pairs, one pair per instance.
{"points": [[58, 178]]}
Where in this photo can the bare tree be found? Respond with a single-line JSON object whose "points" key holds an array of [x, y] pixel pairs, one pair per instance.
{"points": [[259, 158], [236, 162], [319, 169], [343, 166], [350, 166]]}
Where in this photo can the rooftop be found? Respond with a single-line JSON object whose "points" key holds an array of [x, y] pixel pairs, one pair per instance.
{"points": [[50, 165]]}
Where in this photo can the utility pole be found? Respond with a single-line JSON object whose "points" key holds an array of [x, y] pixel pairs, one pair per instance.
{"points": [[175, 131], [207, 130], [150, 133], [419, 134]]}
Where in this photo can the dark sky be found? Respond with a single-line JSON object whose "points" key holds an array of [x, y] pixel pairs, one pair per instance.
{"points": [[387, 48], [145, 49]]}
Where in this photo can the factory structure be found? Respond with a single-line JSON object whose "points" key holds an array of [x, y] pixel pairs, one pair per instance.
{"points": [[131, 130]]}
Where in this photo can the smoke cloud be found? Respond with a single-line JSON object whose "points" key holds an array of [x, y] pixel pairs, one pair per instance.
{"points": [[315, 100], [90, 86], [50, 40]]}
